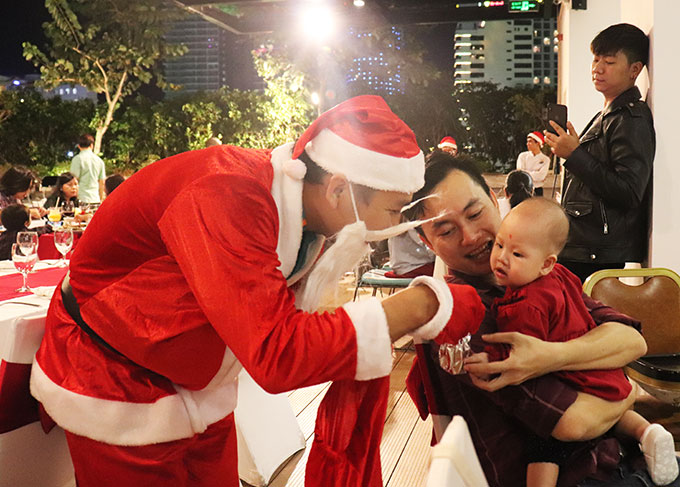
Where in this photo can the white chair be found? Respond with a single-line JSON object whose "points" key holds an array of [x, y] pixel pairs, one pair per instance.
{"points": [[28, 456], [454, 460]]}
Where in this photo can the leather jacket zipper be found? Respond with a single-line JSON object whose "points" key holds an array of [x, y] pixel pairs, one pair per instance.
{"points": [[564, 196], [605, 228]]}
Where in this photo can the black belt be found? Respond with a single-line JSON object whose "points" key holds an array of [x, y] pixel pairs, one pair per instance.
{"points": [[72, 308]]}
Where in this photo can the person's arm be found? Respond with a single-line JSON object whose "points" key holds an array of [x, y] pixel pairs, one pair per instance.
{"points": [[608, 346], [231, 266], [520, 161], [623, 181], [540, 171], [102, 190]]}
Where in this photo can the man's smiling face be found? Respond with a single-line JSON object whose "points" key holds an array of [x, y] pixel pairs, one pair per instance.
{"points": [[464, 237]]}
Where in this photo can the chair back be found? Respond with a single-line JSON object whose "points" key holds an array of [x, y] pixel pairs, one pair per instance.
{"points": [[454, 460], [655, 302]]}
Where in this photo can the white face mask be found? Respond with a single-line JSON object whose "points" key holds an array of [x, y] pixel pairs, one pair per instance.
{"points": [[350, 248]]}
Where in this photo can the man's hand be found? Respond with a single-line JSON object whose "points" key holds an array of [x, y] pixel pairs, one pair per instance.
{"points": [[563, 144], [478, 358], [529, 357]]}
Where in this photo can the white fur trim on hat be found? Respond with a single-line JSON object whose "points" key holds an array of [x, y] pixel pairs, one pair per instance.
{"points": [[295, 169], [435, 326], [374, 347], [363, 166], [447, 144]]}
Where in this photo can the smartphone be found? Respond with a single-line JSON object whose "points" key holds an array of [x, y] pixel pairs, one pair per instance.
{"points": [[558, 114]]}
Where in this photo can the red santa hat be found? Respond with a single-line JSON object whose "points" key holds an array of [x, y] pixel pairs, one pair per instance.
{"points": [[537, 136], [448, 142], [365, 141]]}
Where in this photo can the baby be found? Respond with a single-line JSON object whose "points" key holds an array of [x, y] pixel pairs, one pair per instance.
{"points": [[543, 299]]}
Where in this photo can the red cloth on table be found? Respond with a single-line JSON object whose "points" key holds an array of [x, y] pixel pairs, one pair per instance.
{"points": [[551, 308], [47, 249], [43, 277], [17, 406]]}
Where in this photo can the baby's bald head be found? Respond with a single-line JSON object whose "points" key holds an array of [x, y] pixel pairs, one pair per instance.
{"points": [[546, 219]]}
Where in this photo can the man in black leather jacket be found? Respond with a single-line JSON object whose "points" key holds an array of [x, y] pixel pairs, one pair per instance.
{"points": [[607, 183]]}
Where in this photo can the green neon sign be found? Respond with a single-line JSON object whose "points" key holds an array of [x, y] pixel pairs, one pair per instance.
{"points": [[523, 6]]}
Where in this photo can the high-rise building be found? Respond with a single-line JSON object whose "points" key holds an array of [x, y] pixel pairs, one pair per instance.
{"points": [[506, 52], [199, 68], [373, 68], [215, 57]]}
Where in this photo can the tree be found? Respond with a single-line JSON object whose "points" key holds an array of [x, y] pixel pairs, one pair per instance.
{"points": [[111, 47], [286, 110], [497, 121], [39, 132]]}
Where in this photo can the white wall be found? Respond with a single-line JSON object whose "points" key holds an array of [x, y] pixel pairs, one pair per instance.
{"points": [[665, 102], [659, 19]]}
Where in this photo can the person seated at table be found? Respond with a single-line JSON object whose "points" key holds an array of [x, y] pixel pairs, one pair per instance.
{"points": [[65, 194], [15, 185], [519, 186], [112, 182], [409, 256], [15, 218]]}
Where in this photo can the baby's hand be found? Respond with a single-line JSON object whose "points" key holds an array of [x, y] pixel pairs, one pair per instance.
{"points": [[478, 358]]}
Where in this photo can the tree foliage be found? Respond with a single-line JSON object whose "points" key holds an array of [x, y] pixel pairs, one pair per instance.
{"points": [[497, 120], [111, 47], [39, 132]]}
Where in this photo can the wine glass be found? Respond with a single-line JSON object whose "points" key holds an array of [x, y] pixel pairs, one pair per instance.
{"points": [[63, 241], [26, 240], [24, 259], [68, 208]]}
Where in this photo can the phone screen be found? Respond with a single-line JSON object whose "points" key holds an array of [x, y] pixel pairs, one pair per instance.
{"points": [[558, 114]]}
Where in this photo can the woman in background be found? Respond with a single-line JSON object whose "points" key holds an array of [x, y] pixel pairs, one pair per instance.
{"points": [[518, 186]]}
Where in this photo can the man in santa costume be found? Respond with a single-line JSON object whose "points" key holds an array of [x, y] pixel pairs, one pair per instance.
{"points": [[535, 162], [190, 270]]}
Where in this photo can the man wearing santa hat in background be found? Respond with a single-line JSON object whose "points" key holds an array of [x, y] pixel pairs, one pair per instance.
{"points": [[184, 277], [534, 161], [448, 144]]}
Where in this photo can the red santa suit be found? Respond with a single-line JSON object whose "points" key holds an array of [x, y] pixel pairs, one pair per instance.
{"points": [[185, 271], [551, 308]]}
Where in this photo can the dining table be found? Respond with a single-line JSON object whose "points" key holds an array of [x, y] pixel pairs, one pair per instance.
{"points": [[29, 455], [267, 430]]}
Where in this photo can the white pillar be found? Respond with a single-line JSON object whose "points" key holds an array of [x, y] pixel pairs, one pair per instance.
{"points": [[655, 17]]}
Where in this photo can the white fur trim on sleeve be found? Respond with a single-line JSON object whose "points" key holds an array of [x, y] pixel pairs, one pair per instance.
{"points": [[374, 347], [434, 327]]}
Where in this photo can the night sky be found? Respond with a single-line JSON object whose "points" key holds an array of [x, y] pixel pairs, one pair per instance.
{"points": [[21, 21]]}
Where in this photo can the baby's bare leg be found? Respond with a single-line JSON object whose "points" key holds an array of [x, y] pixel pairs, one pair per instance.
{"points": [[590, 416], [542, 474]]}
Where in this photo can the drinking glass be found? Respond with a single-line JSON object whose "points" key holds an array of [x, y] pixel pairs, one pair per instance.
{"points": [[24, 260], [27, 240], [63, 241], [68, 208], [54, 215]]}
